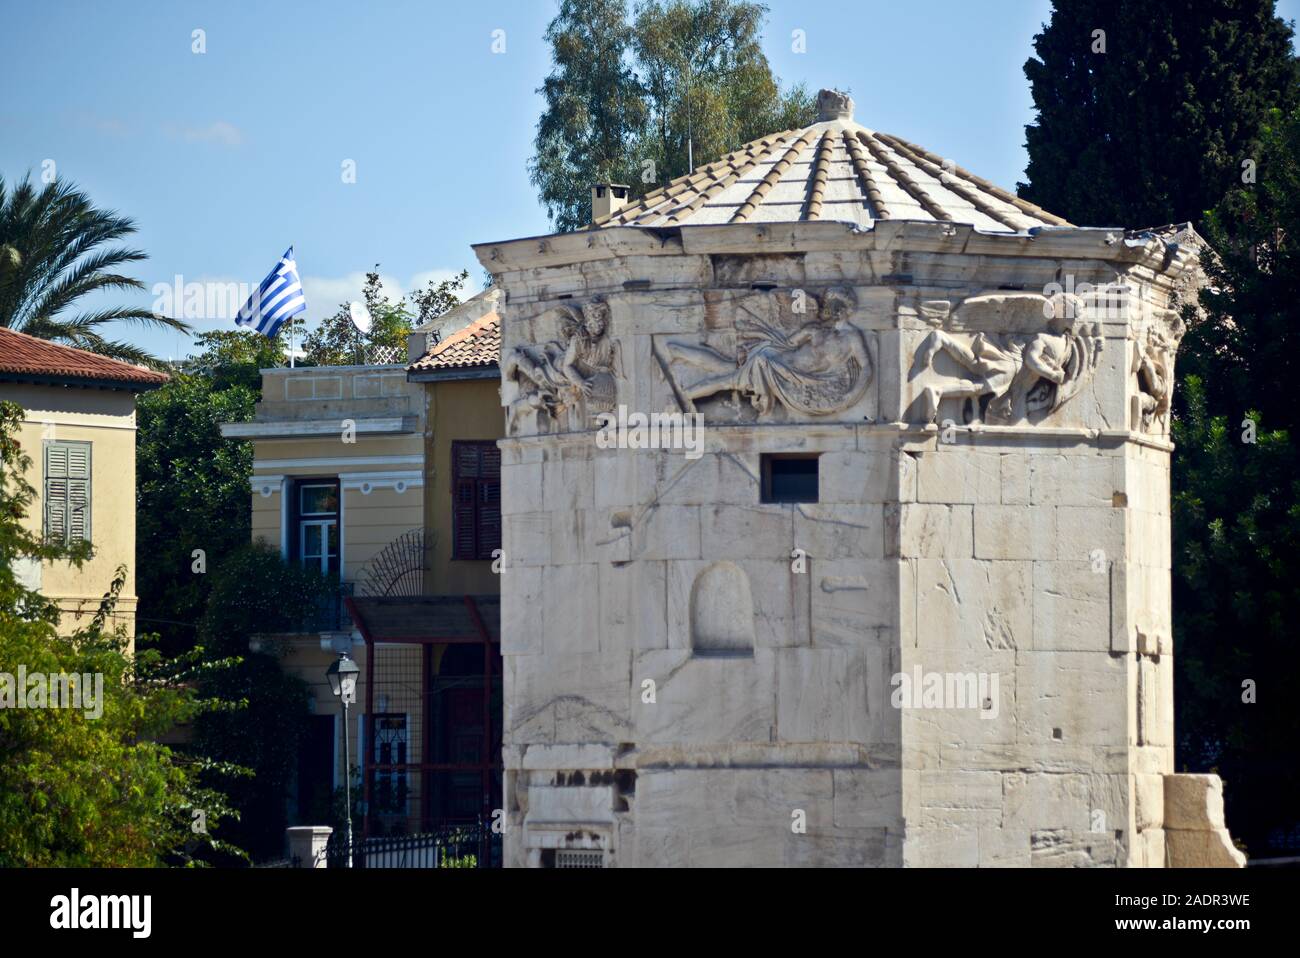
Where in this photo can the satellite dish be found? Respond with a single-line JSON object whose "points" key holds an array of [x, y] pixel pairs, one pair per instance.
{"points": [[360, 317]]}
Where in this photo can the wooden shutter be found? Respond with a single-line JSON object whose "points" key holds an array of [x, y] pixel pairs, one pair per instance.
{"points": [[464, 492], [79, 492], [67, 491], [476, 499], [489, 500], [56, 492]]}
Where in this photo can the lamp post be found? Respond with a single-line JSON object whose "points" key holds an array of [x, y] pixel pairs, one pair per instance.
{"points": [[343, 682]]}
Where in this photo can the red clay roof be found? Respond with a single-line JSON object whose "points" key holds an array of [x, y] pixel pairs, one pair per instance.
{"points": [[478, 344], [25, 355]]}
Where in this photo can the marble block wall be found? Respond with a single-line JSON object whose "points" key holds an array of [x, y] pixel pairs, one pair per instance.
{"points": [[959, 654]]}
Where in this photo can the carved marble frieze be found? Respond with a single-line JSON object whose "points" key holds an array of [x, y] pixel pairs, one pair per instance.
{"points": [[561, 385], [786, 355], [1004, 358], [1151, 371]]}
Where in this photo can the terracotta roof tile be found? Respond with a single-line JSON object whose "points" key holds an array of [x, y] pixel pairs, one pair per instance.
{"points": [[478, 344], [834, 169], [24, 355]]}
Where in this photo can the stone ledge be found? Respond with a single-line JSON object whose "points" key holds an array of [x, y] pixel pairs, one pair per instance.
{"points": [[922, 435], [1195, 833]]}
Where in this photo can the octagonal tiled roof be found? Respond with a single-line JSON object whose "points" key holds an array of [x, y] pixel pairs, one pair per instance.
{"points": [[834, 170]]}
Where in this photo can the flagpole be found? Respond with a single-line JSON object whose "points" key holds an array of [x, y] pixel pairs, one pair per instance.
{"points": [[280, 293], [293, 343]]}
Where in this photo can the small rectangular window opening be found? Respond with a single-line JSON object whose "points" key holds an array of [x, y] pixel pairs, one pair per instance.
{"points": [[790, 477]]}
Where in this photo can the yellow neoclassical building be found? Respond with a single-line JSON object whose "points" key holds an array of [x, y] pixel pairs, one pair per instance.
{"points": [[387, 478], [79, 430]]}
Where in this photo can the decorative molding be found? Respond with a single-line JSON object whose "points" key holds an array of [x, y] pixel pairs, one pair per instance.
{"points": [[367, 482], [71, 420], [266, 486], [296, 428], [336, 461]]}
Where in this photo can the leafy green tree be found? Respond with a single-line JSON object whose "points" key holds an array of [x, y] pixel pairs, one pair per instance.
{"points": [[236, 358], [255, 592], [625, 96], [438, 297], [1243, 347], [55, 248], [93, 787], [1236, 502], [1146, 115], [337, 341], [192, 485], [193, 494], [706, 82], [594, 109], [1146, 112]]}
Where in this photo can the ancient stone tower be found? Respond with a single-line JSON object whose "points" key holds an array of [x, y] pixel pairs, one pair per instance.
{"points": [[904, 597]]}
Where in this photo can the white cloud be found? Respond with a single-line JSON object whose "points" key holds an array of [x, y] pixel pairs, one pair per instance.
{"points": [[219, 132], [108, 125], [325, 293], [209, 302], [206, 302]]}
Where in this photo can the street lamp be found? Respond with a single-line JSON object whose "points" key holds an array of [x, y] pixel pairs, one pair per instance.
{"points": [[343, 682]]}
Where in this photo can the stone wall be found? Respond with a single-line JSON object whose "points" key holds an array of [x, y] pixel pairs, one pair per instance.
{"points": [[695, 676]]}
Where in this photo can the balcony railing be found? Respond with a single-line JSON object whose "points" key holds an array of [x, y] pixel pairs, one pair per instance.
{"points": [[331, 613]]}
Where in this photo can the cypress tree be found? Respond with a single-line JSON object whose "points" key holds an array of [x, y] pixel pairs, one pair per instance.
{"points": [[1147, 111]]}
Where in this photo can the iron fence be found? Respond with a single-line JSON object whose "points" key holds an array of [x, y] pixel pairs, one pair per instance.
{"points": [[467, 845]]}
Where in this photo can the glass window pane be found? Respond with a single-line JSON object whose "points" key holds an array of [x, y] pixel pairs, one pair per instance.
{"points": [[333, 539], [318, 500], [311, 539]]}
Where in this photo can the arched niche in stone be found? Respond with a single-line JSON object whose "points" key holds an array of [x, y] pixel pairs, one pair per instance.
{"points": [[722, 611]]}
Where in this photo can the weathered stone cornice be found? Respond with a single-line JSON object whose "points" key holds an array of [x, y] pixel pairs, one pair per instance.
{"points": [[1110, 245]]}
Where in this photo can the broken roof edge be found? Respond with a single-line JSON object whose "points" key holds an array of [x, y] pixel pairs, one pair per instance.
{"points": [[1150, 246], [472, 347], [453, 373], [463, 314]]}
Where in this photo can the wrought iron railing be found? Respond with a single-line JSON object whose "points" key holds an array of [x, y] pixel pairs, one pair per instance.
{"points": [[468, 845], [330, 614]]}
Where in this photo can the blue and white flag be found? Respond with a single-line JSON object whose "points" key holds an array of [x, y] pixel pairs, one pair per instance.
{"points": [[279, 297]]}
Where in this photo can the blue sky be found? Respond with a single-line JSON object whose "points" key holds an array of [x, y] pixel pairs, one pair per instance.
{"points": [[225, 158]]}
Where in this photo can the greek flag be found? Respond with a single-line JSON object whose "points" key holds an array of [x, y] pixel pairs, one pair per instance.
{"points": [[279, 297]]}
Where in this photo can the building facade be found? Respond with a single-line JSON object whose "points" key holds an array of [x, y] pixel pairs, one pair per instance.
{"points": [[357, 472], [338, 475], [835, 495], [79, 430]]}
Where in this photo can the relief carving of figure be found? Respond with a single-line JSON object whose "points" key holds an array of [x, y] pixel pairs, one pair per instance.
{"points": [[573, 375], [819, 368], [1153, 370], [1010, 374]]}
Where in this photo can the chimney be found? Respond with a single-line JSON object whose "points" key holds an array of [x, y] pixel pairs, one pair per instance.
{"points": [[607, 198]]}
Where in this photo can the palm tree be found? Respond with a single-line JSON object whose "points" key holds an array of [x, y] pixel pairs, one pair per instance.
{"points": [[53, 251]]}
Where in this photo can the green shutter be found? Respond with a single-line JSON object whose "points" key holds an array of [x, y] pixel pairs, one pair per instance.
{"points": [[67, 491]]}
